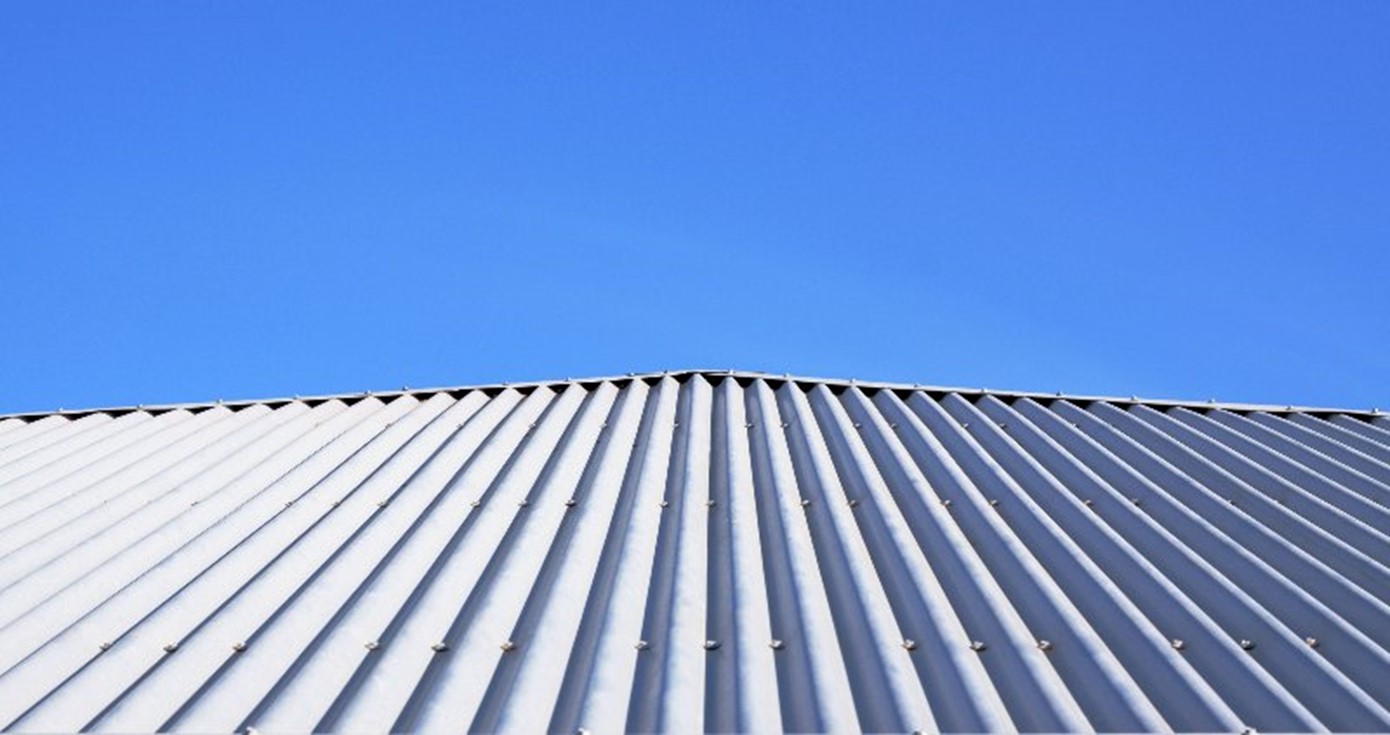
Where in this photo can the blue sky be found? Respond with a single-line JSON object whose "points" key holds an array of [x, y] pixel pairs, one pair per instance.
{"points": [[215, 199]]}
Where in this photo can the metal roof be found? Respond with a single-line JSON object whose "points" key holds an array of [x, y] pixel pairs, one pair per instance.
{"points": [[695, 551]]}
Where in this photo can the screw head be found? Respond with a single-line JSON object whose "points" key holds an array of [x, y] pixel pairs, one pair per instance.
{"points": [[1044, 645], [665, 503], [570, 503], [371, 645], [239, 646], [1247, 644], [977, 646], [171, 647], [805, 502], [440, 647], [642, 645], [1311, 641], [711, 503], [993, 502], [104, 645], [1177, 644], [945, 502], [776, 644], [508, 646], [853, 503], [910, 644], [711, 645], [475, 504]]}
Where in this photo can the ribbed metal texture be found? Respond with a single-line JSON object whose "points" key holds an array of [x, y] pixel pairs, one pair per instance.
{"points": [[695, 552]]}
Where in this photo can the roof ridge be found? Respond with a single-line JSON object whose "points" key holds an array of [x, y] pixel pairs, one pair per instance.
{"points": [[686, 373]]}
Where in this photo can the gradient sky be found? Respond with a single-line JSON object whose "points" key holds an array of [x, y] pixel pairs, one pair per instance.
{"points": [[217, 199]]}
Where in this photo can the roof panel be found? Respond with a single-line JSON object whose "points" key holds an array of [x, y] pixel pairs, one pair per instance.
{"points": [[690, 551]]}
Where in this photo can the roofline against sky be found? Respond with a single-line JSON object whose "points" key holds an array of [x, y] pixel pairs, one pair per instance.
{"points": [[679, 374]]}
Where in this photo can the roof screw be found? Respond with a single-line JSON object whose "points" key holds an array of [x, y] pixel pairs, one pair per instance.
{"points": [[711, 502], [711, 645], [665, 502], [372, 645], [581, 731], [977, 646], [1088, 502], [475, 504], [776, 644], [858, 425], [853, 503], [335, 503], [440, 647], [1136, 501], [1312, 642], [965, 425], [508, 646], [910, 644], [522, 503], [748, 425], [1247, 644], [171, 647], [785, 424], [805, 502], [1003, 425], [382, 503], [239, 646], [288, 503], [893, 426], [571, 503], [1177, 644], [945, 502], [1044, 645], [105, 645], [994, 501], [642, 645]]}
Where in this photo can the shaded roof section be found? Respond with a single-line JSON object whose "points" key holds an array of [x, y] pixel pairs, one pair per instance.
{"points": [[695, 551]]}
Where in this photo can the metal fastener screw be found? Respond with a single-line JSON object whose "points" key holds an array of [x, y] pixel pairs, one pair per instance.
{"points": [[711, 645], [522, 503], [711, 503], [105, 645], [910, 644], [1044, 645], [994, 501], [642, 645], [1247, 644], [239, 646], [776, 644], [570, 503], [508, 646], [665, 503], [371, 645], [1312, 642], [805, 502], [853, 503], [977, 646], [382, 503], [1177, 644], [946, 502], [1088, 502], [440, 647], [171, 647]]}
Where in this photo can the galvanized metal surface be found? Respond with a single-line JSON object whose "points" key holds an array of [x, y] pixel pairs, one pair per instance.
{"points": [[695, 552]]}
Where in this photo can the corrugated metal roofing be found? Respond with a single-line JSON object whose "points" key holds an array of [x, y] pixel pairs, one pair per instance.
{"points": [[695, 551]]}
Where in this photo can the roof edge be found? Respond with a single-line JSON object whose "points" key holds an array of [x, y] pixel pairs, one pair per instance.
{"points": [[747, 374]]}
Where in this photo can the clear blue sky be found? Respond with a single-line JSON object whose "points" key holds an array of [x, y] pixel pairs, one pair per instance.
{"points": [[217, 199]]}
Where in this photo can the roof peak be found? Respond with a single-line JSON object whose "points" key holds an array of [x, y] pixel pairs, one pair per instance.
{"points": [[703, 372]]}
